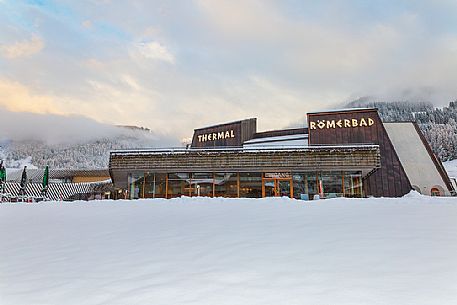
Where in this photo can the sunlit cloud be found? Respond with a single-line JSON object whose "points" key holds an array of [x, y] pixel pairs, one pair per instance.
{"points": [[155, 51], [180, 66], [22, 48], [17, 97]]}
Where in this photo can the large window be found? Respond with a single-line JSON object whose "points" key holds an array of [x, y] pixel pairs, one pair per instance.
{"points": [[251, 185], [331, 184], [178, 185], [305, 185], [226, 184], [135, 181], [202, 184], [353, 184], [149, 181]]}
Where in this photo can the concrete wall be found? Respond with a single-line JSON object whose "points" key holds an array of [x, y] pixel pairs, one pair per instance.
{"points": [[416, 160]]}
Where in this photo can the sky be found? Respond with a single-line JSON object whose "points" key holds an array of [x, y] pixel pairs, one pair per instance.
{"points": [[173, 66]]}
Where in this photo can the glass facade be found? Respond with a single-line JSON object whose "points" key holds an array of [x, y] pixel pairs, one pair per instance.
{"points": [[178, 185], [353, 186], [202, 184], [251, 185], [135, 181], [226, 185], [299, 185]]}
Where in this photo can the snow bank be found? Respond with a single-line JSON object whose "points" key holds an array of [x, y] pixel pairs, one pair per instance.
{"points": [[230, 251]]}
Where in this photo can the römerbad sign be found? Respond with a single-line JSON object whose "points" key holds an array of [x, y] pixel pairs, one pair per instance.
{"points": [[342, 123]]}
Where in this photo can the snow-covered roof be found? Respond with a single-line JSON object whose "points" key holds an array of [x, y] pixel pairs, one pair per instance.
{"points": [[343, 110], [180, 150], [280, 138], [36, 175]]}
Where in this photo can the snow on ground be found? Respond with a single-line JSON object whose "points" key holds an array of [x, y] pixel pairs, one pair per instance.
{"points": [[230, 251]]}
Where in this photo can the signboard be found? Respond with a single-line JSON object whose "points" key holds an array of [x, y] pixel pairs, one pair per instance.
{"points": [[277, 175], [341, 123], [224, 135]]}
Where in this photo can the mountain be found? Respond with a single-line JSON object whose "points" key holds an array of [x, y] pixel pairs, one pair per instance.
{"points": [[90, 152], [438, 124]]}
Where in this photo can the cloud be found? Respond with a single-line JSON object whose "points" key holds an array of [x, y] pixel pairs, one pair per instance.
{"points": [[24, 48], [182, 66], [87, 24], [68, 129], [155, 51], [16, 97]]}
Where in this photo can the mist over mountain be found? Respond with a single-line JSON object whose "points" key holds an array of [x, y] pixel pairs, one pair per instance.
{"points": [[438, 124], [61, 141]]}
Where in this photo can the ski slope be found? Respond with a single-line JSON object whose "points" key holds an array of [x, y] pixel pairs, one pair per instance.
{"points": [[230, 251]]}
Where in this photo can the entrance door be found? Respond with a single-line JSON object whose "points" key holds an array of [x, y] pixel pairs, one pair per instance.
{"points": [[277, 187], [269, 188]]}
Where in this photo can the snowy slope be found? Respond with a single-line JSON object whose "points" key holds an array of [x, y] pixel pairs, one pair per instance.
{"points": [[230, 251], [451, 168]]}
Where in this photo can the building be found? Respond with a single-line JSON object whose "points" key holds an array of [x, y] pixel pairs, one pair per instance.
{"points": [[349, 153], [61, 175], [64, 184]]}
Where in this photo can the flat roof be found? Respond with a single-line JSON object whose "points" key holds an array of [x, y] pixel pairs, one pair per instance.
{"points": [[343, 110]]}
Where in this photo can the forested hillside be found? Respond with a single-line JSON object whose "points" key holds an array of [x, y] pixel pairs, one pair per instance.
{"points": [[90, 153], [438, 124]]}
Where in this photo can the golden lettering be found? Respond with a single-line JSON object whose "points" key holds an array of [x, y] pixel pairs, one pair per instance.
{"points": [[331, 124], [346, 123], [216, 136]]}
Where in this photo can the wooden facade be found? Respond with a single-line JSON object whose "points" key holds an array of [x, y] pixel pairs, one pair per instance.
{"points": [[342, 158], [281, 133], [232, 134], [362, 126]]}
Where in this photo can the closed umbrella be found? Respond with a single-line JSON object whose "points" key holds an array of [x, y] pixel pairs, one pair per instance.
{"points": [[23, 182], [44, 190], [2, 177]]}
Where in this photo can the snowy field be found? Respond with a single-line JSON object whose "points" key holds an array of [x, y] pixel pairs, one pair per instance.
{"points": [[238, 251]]}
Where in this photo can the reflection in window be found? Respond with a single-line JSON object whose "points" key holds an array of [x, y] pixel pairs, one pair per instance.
{"points": [[202, 184], [178, 185], [331, 184], [305, 186], [251, 185], [353, 184], [135, 181], [160, 186], [226, 184]]}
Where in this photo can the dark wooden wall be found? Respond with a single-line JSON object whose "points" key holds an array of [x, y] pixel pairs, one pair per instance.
{"points": [[280, 133], [243, 130], [388, 181]]}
